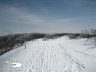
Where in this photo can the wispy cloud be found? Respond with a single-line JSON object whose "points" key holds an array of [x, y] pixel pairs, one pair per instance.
{"points": [[19, 15], [23, 19]]}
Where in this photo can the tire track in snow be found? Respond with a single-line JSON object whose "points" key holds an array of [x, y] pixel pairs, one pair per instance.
{"points": [[50, 61]]}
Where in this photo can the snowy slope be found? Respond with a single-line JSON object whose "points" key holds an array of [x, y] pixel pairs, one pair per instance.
{"points": [[58, 55]]}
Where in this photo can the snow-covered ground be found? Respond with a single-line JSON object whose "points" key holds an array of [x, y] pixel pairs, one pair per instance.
{"points": [[57, 55]]}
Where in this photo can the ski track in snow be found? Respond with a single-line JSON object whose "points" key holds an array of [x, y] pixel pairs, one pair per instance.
{"points": [[42, 56]]}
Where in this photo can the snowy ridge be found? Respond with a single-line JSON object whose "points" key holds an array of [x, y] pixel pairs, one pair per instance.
{"points": [[58, 55]]}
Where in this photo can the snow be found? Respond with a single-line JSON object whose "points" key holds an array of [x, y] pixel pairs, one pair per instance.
{"points": [[57, 55]]}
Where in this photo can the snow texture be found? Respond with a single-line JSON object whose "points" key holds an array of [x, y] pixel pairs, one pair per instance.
{"points": [[58, 55]]}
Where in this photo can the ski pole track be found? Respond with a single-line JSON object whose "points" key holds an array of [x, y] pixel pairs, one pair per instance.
{"points": [[83, 53], [72, 59]]}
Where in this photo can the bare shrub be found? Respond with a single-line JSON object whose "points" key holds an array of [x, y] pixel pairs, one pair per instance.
{"points": [[11, 41]]}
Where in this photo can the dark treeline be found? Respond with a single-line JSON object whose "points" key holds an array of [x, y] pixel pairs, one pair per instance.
{"points": [[80, 35], [11, 41]]}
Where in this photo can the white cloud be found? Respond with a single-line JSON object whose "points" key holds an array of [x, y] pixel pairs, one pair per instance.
{"points": [[42, 24], [19, 15]]}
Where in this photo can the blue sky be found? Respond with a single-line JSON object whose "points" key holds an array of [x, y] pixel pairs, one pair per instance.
{"points": [[47, 16]]}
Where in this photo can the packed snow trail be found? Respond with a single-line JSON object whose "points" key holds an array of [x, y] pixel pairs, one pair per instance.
{"points": [[57, 55]]}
